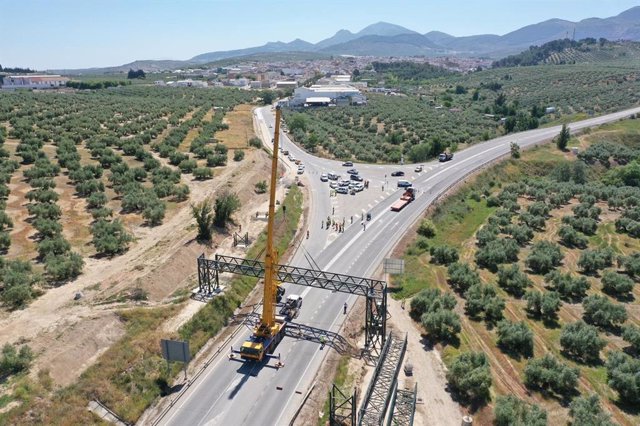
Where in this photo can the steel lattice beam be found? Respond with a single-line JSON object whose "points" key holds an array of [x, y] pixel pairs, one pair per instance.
{"points": [[374, 290], [376, 401], [292, 274], [403, 407]]}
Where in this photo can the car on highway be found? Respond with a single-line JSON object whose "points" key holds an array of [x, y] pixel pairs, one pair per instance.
{"points": [[352, 171], [344, 183], [404, 184], [342, 190], [333, 185], [397, 173], [356, 178], [333, 176], [418, 169], [348, 164], [324, 177], [285, 152], [357, 186]]}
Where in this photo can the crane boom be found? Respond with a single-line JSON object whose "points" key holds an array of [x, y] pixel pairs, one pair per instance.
{"points": [[268, 325]]}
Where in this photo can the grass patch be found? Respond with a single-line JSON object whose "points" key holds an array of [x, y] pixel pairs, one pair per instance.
{"points": [[132, 373], [240, 130]]}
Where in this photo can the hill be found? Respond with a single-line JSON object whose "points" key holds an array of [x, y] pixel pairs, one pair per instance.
{"points": [[567, 51]]}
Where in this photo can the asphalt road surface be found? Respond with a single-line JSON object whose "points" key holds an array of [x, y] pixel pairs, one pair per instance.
{"points": [[234, 393]]}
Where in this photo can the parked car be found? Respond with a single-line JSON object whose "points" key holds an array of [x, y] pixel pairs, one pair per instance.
{"points": [[358, 186], [356, 178], [352, 171], [342, 190], [397, 173], [300, 170], [404, 184], [333, 176], [344, 183], [333, 185], [285, 152], [419, 169], [348, 164], [324, 177]]}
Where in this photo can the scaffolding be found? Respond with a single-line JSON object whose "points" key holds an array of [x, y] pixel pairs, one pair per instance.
{"points": [[376, 400]]}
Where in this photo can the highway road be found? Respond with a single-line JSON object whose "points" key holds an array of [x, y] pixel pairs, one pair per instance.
{"points": [[233, 393]]}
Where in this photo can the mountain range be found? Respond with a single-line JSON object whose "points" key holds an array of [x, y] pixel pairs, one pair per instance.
{"points": [[385, 39]]}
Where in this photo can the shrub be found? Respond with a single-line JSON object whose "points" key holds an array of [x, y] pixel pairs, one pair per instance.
{"points": [[110, 238], [14, 361], [512, 280], [569, 237], [547, 373], [430, 300], [498, 251], [510, 410], [225, 205], [63, 267], [261, 187], [154, 213], [581, 342], [598, 310], [427, 229], [544, 257], [443, 255], [53, 246], [238, 155], [515, 338], [623, 375], [255, 142], [543, 305], [203, 214], [616, 284], [631, 264], [441, 324], [181, 192], [591, 261], [482, 299], [470, 376], [569, 287], [586, 411], [202, 173], [631, 334], [462, 277]]}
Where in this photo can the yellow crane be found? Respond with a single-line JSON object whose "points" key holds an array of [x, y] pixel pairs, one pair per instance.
{"points": [[270, 331]]}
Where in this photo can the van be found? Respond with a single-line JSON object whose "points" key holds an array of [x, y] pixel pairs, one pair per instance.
{"points": [[404, 184], [333, 176]]}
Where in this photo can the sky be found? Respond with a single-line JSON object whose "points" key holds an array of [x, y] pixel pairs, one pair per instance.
{"points": [[54, 34]]}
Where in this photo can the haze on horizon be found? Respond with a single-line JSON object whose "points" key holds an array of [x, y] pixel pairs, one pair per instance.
{"points": [[54, 34]]}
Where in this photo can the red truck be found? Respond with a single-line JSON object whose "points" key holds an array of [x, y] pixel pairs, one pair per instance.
{"points": [[406, 198]]}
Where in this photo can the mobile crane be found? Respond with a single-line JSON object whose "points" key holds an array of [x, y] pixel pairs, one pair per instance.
{"points": [[269, 332]]}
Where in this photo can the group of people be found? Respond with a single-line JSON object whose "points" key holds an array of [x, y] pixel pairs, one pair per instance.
{"points": [[333, 224]]}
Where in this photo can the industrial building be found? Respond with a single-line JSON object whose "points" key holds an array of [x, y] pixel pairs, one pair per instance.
{"points": [[33, 82], [337, 94]]}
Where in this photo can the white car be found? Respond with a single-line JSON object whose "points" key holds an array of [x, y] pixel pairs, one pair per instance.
{"points": [[342, 190], [333, 185], [358, 187], [324, 177], [344, 183]]}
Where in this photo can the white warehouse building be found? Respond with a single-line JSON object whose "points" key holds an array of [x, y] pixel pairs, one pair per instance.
{"points": [[338, 94], [34, 81]]}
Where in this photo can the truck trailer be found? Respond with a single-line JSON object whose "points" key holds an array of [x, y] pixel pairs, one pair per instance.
{"points": [[445, 156], [406, 198]]}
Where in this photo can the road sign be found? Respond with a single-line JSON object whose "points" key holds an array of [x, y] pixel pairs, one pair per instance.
{"points": [[175, 350], [393, 266]]}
